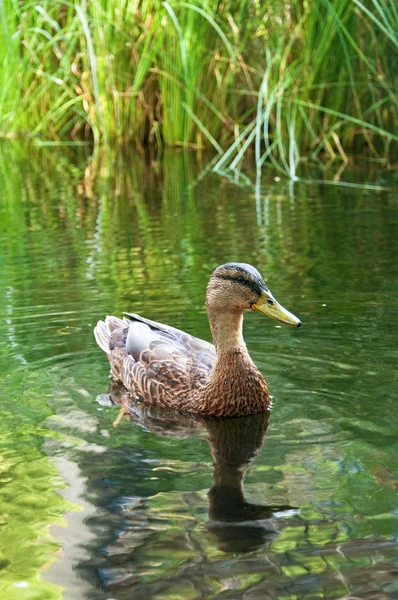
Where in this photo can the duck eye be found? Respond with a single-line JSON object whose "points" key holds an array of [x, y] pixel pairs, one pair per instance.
{"points": [[241, 279], [269, 301]]}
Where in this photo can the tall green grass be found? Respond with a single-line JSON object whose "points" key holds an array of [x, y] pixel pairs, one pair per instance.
{"points": [[280, 79]]}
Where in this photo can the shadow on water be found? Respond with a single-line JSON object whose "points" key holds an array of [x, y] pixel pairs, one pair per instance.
{"points": [[235, 525], [183, 543], [238, 525]]}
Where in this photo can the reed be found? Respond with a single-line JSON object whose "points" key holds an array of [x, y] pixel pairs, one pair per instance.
{"points": [[277, 79]]}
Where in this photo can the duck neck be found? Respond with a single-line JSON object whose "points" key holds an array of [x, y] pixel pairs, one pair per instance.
{"points": [[226, 329], [236, 387]]}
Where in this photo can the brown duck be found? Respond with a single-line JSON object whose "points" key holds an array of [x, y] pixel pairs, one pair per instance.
{"points": [[167, 367]]}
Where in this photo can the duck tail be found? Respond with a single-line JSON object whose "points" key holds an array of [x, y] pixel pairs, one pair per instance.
{"points": [[102, 336], [104, 329]]}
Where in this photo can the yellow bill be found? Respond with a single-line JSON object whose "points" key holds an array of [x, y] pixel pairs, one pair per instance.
{"points": [[267, 305]]}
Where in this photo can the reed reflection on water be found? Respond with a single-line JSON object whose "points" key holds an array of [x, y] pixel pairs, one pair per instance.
{"points": [[79, 240]]}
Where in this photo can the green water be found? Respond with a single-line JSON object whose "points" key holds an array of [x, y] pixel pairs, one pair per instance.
{"points": [[159, 509]]}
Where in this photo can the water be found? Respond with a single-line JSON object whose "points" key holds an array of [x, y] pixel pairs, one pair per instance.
{"points": [[161, 508]]}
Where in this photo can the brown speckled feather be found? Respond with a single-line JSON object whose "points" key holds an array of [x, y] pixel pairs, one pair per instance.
{"points": [[158, 364]]}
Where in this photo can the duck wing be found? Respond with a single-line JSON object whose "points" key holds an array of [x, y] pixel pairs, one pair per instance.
{"points": [[164, 364]]}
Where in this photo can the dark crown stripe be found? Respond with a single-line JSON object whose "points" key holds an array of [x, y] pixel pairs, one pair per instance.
{"points": [[253, 285]]}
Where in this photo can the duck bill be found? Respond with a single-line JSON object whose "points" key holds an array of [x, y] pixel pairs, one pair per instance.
{"points": [[267, 305]]}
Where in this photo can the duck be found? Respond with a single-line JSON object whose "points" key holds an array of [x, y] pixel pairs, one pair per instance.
{"points": [[163, 366]]}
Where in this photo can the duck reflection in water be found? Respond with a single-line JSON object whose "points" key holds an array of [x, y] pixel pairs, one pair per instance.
{"points": [[238, 525]]}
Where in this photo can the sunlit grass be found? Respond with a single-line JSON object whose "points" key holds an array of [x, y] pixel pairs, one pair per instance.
{"points": [[278, 79]]}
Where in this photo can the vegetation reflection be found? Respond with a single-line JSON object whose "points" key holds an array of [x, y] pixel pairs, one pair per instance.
{"points": [[135, 233]]}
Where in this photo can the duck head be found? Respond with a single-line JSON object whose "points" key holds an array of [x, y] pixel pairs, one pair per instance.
{"points": [[239, 287]]}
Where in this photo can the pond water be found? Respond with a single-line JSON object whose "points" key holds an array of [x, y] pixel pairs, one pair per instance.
{"points": [[157, 508]]}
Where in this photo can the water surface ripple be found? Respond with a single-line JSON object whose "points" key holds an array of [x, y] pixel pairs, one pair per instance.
{"points": [[302, 503]]}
